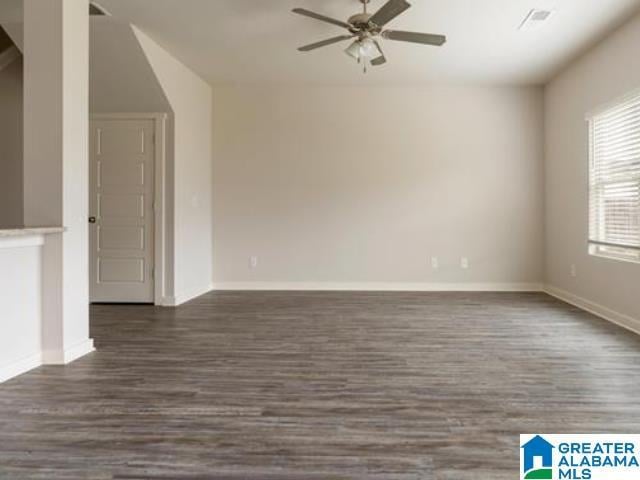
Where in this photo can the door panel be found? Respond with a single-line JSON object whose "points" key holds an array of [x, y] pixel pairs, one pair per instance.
{"points": [[118, 270], [120, 174], [121, 201], [113, 141], [121, 206], [121, 238]]}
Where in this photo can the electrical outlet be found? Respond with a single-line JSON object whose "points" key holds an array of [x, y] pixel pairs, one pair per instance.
{"points": [[253, 262], [573, 270], [435, 263], [464, 263]]}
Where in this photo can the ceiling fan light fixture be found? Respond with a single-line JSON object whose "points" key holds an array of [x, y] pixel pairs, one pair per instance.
{"points": [[363, 50], [354, 50], [369, 49]]}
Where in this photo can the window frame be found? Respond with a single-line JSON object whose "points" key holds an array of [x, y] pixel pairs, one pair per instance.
{"points": [[598, 248]]}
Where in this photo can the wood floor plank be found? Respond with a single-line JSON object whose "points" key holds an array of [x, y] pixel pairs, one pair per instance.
{"points": [[310, 386]]}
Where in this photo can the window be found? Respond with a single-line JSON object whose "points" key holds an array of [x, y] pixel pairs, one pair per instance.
{"points": [[614, 181]]}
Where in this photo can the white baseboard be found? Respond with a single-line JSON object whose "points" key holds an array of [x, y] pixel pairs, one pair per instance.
{"points": [[46, 358], [55, 357], [620, 319], [14, 369], [379, 287], [186, 296]]}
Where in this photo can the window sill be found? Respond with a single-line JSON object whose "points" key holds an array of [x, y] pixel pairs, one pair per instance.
{"points": [[633, 256]]}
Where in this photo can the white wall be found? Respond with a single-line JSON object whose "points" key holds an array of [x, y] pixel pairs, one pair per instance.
{"points": [[20, 295], [190, 99], [607, 72], [360, 187], [121, 79], [11, 204]]}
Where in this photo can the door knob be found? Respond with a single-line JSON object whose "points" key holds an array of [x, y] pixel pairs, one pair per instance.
{"points": [[92, 219]]}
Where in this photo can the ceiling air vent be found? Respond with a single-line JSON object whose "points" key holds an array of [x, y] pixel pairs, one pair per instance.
{"points": [[95, 9], [535, 18]]}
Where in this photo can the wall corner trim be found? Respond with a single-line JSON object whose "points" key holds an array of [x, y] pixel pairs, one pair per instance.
{"points": [[620, 319]]}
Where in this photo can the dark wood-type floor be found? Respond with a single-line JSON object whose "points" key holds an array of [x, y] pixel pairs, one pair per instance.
{"points": [[315, 386]]}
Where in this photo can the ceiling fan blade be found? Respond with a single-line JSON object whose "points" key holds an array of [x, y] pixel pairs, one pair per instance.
{"points": [[414, 37], [381, 60], [322, 18], [389, 11], [324, 43]]}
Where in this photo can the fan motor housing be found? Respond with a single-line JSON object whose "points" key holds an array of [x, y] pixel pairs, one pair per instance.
{"points": [[361, 23], [360, 19]]}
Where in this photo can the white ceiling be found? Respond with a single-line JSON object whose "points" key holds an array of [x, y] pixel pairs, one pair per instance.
{"points": [[255, 41]]}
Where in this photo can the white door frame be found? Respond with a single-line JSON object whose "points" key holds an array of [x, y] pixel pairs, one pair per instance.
{"points": [[159, 206]]}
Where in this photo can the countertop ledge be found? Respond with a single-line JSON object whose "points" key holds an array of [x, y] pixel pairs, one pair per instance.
{"points": [[26, 231]]}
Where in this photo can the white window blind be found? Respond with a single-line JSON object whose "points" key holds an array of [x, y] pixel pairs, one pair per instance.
{"points": [[614, 183]]}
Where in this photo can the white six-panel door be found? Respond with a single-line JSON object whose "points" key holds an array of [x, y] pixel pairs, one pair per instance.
{"points": [[121, 217]]}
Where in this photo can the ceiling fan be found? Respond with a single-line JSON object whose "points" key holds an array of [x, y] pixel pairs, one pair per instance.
{"points": [[367, 29]]}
